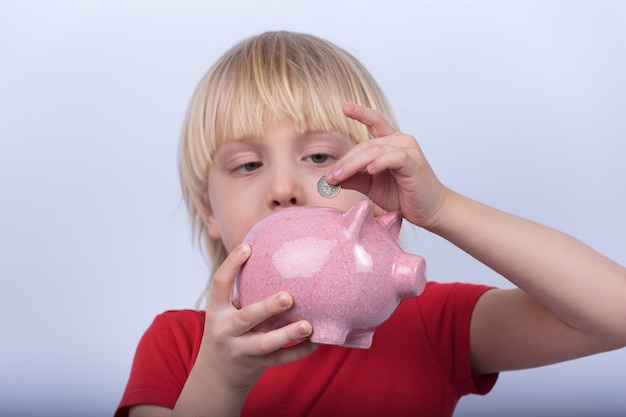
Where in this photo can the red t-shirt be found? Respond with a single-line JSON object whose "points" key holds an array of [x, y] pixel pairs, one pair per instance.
{"points": [[419, 364]]}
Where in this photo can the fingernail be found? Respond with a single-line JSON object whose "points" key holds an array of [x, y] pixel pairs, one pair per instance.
{"points": [[243, 249], [349, 107], [304, 329], [335, 173], [283, 300]]}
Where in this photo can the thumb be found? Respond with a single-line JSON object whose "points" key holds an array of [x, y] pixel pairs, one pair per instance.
{"points": [[361, 182]]}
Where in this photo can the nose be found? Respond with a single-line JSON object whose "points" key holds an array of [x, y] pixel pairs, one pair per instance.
{"points": [[285, 191]]}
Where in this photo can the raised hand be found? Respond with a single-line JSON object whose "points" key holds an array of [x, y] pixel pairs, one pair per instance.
{"points": [[391, 170]]}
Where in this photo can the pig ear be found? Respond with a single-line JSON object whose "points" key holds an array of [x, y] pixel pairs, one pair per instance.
{"points": [[391, 221], [356, 217]]}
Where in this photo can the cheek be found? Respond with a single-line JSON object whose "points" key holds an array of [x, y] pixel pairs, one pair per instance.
{"points": [[234, 225]]}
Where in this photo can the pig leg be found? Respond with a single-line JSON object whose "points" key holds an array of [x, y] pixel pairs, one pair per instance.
{"points": [[361, 339], [330, 333]]}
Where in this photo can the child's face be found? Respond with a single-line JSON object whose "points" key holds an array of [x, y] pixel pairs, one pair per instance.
{"points": [[253, 177]]}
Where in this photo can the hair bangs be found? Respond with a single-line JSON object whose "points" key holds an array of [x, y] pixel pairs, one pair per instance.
{"points": [[261, 83], [272, 82]]}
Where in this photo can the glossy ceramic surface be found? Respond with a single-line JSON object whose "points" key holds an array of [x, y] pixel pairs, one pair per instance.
{"points": [[346, 271]]}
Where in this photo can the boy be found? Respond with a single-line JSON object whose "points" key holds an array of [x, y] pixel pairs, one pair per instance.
{"points": [[273, 115]]}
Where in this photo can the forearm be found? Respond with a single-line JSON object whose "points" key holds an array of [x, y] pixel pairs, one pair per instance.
{"points": [[579, 285]]}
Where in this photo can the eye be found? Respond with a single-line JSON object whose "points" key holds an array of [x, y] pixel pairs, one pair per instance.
{"points": [[319, 158], [249, 166]]}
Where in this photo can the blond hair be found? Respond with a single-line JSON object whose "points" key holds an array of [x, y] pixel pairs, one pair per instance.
{"points": [[274, 77]]}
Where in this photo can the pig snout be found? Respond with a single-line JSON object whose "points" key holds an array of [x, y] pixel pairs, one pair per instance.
{"points": [[409, 275]]}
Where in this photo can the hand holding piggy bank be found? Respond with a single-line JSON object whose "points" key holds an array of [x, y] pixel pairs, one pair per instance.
{"points": [[345, 270]]}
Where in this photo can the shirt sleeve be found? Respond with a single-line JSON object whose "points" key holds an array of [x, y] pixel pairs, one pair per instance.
{"points": [[163, 360], [447, 314]]}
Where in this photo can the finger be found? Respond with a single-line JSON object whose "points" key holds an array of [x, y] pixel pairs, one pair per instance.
{"points": [[352, 170], [376, 124], [221, 285], [262, 344], [254, 314], [361, 182], [291, 354], [397, 160]]}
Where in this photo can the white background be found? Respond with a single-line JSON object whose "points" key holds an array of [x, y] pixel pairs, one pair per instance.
{"points": [[519, 104]]}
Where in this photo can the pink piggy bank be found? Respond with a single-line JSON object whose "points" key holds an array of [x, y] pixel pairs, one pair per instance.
{"points": [[345, 270]]}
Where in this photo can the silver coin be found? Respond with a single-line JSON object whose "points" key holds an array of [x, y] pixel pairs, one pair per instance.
{"points": [[326, 190]]}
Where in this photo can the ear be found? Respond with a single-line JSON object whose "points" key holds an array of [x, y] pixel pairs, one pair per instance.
{"points": [[391, 221], [356, 217], [206, 214], [211, 224]]}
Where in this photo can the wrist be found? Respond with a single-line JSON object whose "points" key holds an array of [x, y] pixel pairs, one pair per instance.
{"points": [[442, 212]]}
